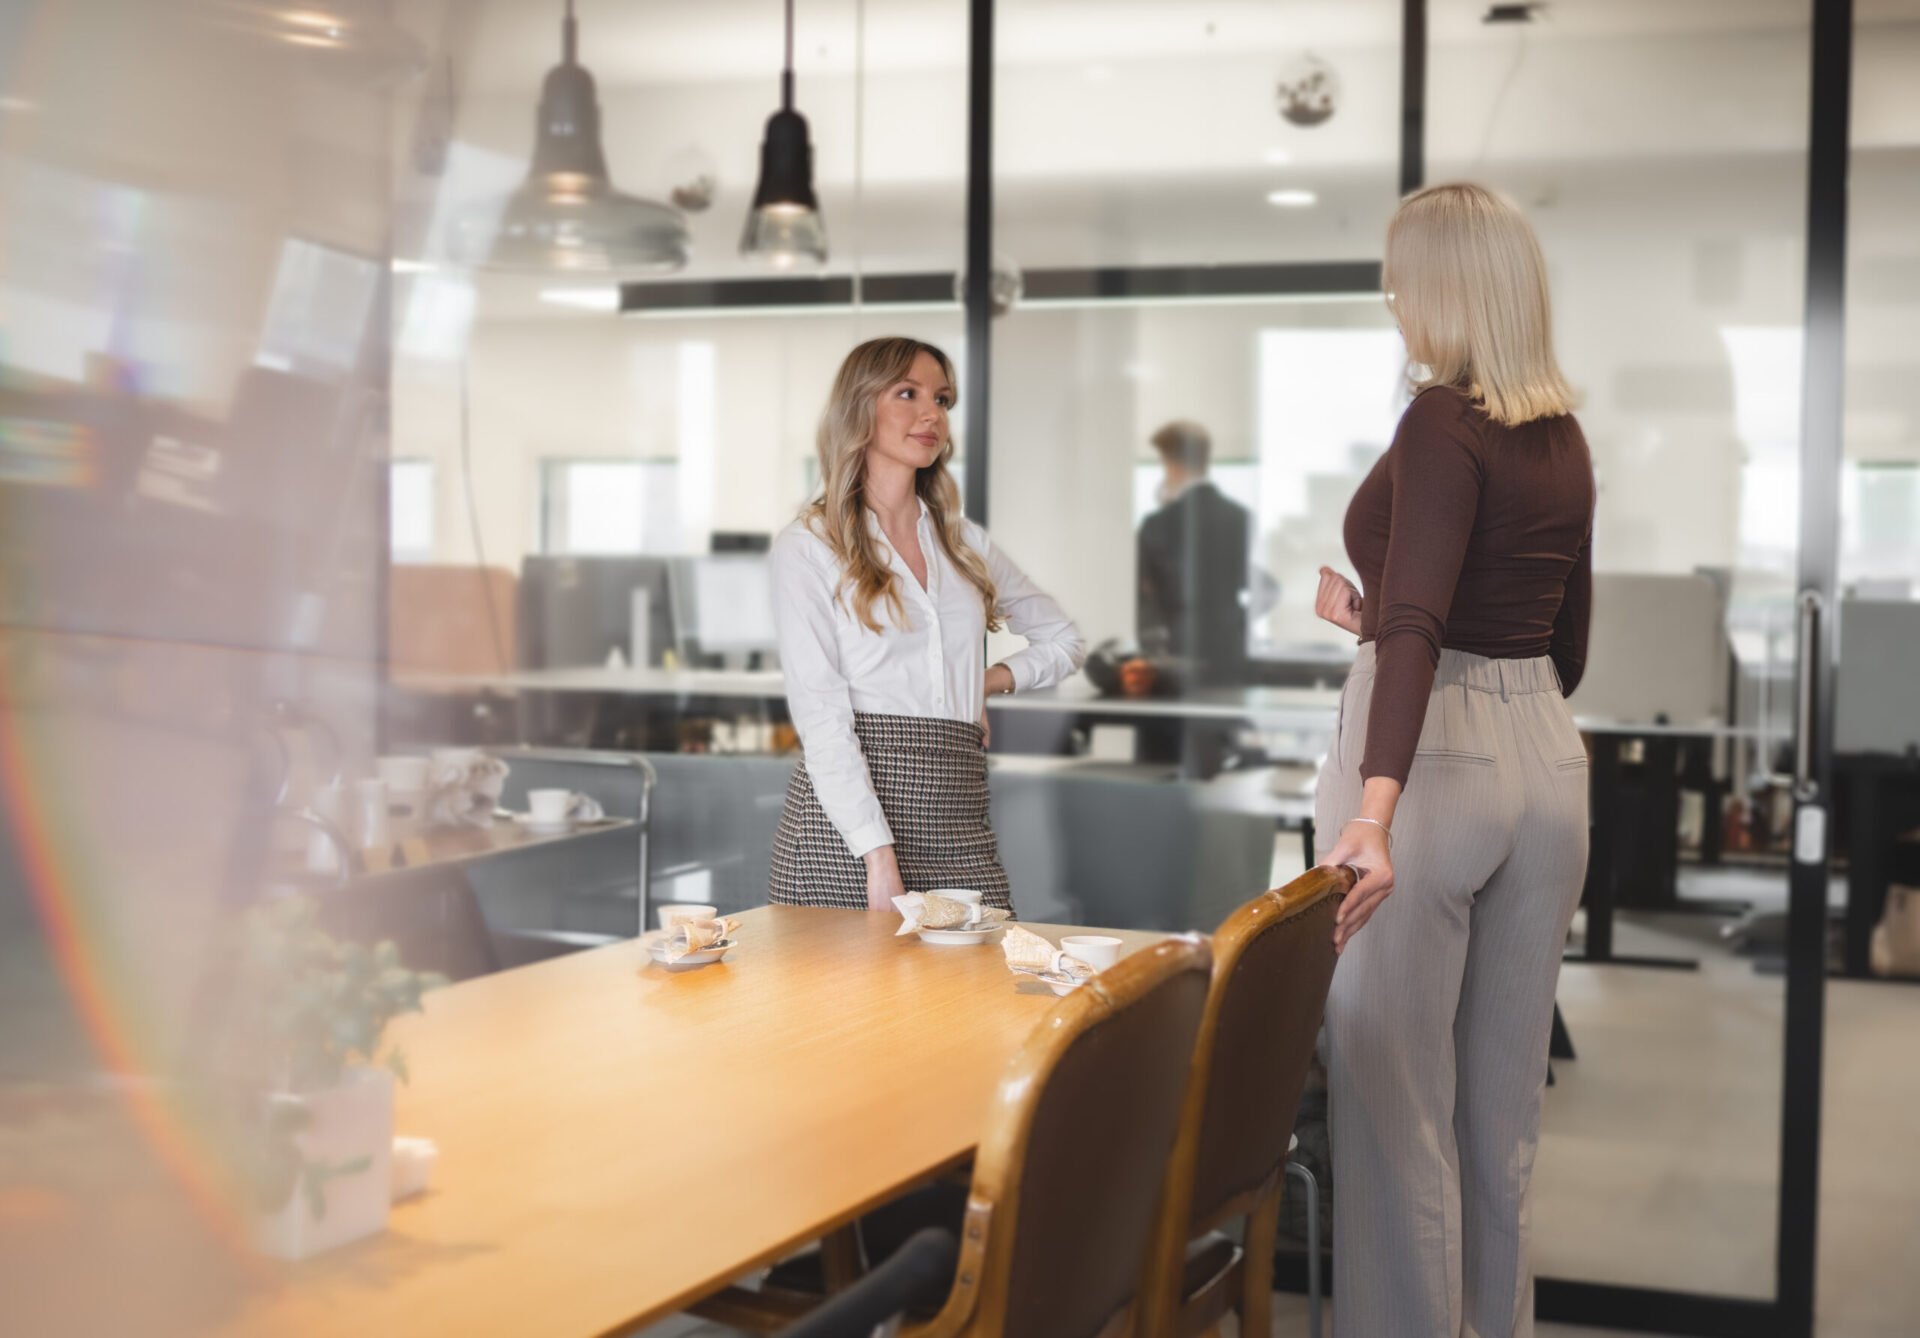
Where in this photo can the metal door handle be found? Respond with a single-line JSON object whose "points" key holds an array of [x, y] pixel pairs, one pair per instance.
{"points": [[1805, 787]]}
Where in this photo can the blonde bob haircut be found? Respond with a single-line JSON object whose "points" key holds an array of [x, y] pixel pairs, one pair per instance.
{"points": [[1468, 284], [839, 514]]}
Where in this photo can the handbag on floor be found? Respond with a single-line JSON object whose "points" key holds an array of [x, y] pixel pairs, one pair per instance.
{"points": [[1895, 950]]}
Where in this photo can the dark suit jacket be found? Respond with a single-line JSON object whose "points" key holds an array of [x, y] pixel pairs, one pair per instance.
{"points": [[1192, 564]]}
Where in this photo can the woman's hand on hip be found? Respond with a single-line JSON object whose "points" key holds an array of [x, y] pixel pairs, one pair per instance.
{"points": [[999, 682], [1364, 846], [883, 879], [1338, 601]]}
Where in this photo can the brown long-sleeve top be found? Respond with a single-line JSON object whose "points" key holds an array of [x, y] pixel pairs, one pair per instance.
{"points": [[1472, 536]]}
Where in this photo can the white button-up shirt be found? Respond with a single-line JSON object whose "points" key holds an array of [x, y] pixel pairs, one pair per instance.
{"points": [[934, 666]]}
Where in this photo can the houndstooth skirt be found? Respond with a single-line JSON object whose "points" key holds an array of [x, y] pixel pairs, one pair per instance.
{"points": [[930, 776]]}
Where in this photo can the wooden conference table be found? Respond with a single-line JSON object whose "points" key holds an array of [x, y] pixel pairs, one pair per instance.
{"points": [[617, 1140]]}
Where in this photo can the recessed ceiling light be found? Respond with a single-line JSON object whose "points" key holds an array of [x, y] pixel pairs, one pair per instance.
{"points": [[1292, 199], [1279, 157], [402, 265], [585, 299]]}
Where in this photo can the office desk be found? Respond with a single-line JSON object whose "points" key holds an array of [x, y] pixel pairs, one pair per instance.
{"points": [[1306, 710], [618, 1141]]}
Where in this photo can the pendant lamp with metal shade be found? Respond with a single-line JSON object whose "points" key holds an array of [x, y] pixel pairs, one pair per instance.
{"points": [[784, 227], [567, 215]]}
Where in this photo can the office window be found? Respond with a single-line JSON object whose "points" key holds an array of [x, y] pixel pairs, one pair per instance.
{"points": [[410, 509], [610, 506]]}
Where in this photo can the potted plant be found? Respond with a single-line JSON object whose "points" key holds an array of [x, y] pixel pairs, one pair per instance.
{"points": [[311, 1012]]}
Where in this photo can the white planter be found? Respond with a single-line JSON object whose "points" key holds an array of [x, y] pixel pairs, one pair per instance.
{"points": [[348, 1123]]}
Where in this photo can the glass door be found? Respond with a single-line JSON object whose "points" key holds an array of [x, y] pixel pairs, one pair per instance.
{"points": [[1669, 1189]]}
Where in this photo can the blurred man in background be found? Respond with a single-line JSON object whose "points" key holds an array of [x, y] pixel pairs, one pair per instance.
{"points": [[1193, 567]]}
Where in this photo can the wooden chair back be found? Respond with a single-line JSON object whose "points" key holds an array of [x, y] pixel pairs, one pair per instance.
{"points": [[1273, 962], [1067, 1182]]}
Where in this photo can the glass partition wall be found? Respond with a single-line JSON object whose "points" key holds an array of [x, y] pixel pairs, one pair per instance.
{"points": [[1676, 240], [1184, 209], [378, 493]]}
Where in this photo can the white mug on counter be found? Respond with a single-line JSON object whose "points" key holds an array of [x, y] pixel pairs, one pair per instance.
{"points": [[550, 808], [1098, 951], [673, 913], [371, 827], [404, 775]]}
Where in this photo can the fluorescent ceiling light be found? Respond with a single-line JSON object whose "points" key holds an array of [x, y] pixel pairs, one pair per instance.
{"points": [[403, 265], [583, 299], [1292, 199], [792, 309], [1194, 300]]}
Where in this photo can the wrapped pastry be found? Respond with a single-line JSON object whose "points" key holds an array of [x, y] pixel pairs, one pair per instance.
{"points": [[929, 910], [694, 935], [1030, 954]]}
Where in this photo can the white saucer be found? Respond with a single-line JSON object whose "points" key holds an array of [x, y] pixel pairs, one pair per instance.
{"points": [[960, 938], [563, 825], [701, 958], [1062, 986]]}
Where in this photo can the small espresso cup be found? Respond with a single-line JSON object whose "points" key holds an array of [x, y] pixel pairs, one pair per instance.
{"points": [[673, 913], [1096, 950], [966, 894], [550, 806]]}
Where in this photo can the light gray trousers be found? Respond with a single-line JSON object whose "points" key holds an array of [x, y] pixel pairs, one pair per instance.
{"points": [[1438, 1020]]}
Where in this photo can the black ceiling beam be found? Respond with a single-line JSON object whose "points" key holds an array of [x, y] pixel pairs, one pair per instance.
{"points": [[1178, 281], [1116, 283]]}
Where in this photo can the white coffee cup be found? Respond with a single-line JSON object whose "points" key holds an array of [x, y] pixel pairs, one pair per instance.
{"points": [[404, 775], [549, 807], [1096, 950], [966, 894], [673, 913]]}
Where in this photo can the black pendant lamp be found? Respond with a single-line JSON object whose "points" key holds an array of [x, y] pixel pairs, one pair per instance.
{"points": [[567, 215], [784, 227]]}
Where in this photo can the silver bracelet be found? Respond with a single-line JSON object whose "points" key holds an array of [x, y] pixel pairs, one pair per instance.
{"points": [[1375, 822]]}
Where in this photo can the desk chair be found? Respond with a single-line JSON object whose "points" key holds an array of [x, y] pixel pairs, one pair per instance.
{"points": [[1066, 1184], [1273, 962]]}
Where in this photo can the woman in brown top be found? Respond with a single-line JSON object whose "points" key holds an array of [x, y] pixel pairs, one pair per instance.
{"points": [[1471, 537]]}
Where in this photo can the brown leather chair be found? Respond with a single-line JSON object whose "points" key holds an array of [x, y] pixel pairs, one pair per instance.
{"points": [[1068, 1177], [1273, 960]]}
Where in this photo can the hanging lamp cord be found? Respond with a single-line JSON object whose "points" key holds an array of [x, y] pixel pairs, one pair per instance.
{"points": [[786, 73]]}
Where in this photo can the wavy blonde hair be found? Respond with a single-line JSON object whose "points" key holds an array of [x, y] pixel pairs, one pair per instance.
{"points": [[1467, 281], [839, 513]]}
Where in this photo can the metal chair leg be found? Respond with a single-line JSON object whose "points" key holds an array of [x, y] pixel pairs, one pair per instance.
{"points": [[1302, 1174]]}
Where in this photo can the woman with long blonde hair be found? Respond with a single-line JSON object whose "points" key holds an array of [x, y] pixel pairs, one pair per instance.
{"points": [[883, 595], [1457, 782]]}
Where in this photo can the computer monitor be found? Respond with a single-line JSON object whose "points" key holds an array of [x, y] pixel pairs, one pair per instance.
{"points": [[577, 611], [1656, 649], [723, 605]]}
